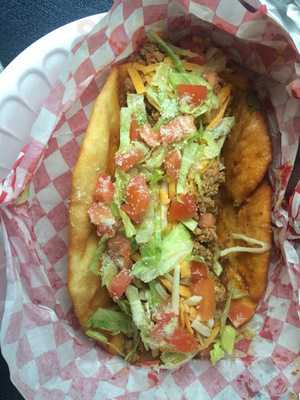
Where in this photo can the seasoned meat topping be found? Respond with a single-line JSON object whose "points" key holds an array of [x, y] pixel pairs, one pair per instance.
{"points": [[148, 54]]}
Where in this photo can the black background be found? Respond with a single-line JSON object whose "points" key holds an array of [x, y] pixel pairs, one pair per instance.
{"points": [[21, 23]]}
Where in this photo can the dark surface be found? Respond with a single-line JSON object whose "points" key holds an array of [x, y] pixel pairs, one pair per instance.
{"points": [[22, 22]]}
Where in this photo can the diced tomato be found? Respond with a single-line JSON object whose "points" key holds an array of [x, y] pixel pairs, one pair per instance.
{"points": [[163, 324], [137, 198], [134, 130], [176, 129], [194, 94], [101, 214], [199, 59], [241, 311], [206, 289], [207, 220], [107, 230], [183, 209], [198, 271], [166, 329], [183, 341], [172, 163], [128, 160], [120, 283], [119, 249], [150, 136], [104, 189]]}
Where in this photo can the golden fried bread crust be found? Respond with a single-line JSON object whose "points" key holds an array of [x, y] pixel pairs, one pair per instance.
{"points": [[247, 151], [84, 286]]}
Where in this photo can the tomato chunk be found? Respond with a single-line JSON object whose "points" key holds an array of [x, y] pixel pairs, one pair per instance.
{"points": [[134, 130], [164, 325], [101, 214], [207, 220], [105, 189], [206, 289], [176, 129], [183, 341], [198, 271], [183, 209], [119, 249], [241, 311], [172, 163], [120, 283], [128, 160], [150, 136], [193, 94], [137, 198]]}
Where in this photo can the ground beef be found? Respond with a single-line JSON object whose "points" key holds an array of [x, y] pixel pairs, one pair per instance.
{"points": [[220, 291], [203, 251], [206, 235], [127, 88], [148, 54], [211, 180]]}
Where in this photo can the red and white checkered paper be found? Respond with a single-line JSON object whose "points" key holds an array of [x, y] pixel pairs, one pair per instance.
{"points": [[48, 356]]}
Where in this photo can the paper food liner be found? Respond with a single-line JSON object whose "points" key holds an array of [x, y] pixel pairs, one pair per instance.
{"points": [[47, 354]]}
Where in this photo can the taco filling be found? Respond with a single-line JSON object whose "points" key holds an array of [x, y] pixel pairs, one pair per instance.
{"points": [[166, 263]]}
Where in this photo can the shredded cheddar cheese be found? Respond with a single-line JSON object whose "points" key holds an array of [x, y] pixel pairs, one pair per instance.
{"points": [[185, 269], [163, 194], [145, 69], [136, 79], [219, 115], [183, 290], [181, 315], [172, 189]]}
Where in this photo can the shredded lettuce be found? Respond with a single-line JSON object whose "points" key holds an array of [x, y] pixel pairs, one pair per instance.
{"points": [[193, 78], [215, 137], [137, 310], [94, 266], [108, 270], [191, 224], [228, 336], [174, 360], [156, 158], [167, 49], [154, 176], [189, 156], [175, 289], [125, 122], [124, 306], [137, 107], [189, 78], [157, 294], [145, 230], [160, 94], [121, 182], [111, 321], [217, 353], [225, 312], [161, 257], [128, 225], [96, 336]]}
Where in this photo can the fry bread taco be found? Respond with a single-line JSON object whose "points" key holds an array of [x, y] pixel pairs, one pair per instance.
{"points": [[170, 212]]}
